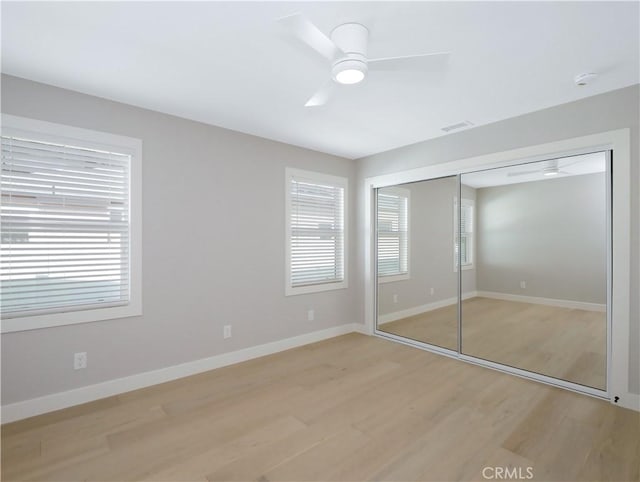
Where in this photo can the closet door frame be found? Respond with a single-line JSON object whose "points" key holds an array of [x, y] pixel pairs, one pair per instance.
{"points": [[618, 142]]}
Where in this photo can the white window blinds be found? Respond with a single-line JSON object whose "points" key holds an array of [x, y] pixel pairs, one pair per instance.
{"points": [[316, 227], [65, 228], [393, 232]]}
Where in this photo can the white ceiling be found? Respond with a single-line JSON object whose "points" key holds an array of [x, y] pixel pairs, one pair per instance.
{"points": [[230, 64], [533, 171]]}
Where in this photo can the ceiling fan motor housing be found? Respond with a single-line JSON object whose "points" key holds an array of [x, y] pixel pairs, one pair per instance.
{"points": [[351, 38]]}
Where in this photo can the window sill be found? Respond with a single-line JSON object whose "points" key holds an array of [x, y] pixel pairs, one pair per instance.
{"points": [[392, 278], [36, 322], [302, 290]]}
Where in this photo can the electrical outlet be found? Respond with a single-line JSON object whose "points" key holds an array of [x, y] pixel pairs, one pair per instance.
{"points": [[226, 331], [311, 315], [432, 291], [395, 298], [80, 360], [523, 284]]}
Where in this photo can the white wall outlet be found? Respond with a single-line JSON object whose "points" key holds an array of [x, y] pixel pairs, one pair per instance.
{"points": [[523, 284], [432, 291], [226, 331], [395, 298], [311, 315], [80, 360]]}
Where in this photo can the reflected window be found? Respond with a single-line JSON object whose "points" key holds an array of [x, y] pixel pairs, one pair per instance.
{"points": [[466, 234], [393, 232]]}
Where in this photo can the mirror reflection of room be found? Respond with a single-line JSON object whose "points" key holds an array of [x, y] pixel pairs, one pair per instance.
{"points": [[417, 283], [540, 278]]}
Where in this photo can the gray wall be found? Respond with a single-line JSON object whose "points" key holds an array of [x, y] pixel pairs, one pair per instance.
{"points": [[549, 233], [213, 249], [430, 248], [614, 110]]}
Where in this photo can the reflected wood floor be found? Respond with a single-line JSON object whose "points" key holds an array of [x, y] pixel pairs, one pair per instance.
{"points": [[559, 342], [347, 409]]}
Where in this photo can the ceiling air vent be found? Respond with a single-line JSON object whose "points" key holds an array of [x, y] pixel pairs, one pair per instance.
{"points": [[457, 126]]}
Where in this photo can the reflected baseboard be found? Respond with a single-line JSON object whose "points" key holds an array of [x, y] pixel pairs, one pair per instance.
{"points": [[577, 305], [417, 310]]}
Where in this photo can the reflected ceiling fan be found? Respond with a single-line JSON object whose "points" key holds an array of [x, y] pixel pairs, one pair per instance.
{"points": [[551, 168], [347, 52]]}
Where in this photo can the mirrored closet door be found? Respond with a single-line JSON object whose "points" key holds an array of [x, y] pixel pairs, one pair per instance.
{"points": [[540, 268], [417, 284], [507, 266]]}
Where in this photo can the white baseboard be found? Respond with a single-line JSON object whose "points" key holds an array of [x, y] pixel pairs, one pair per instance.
{"points": [[417, 310], [57, 401], [578, 305], [361, 328], [630, 401]]}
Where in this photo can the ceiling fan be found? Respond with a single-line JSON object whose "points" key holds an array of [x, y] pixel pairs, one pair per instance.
{"points": [[551, 168], [347, 52]]}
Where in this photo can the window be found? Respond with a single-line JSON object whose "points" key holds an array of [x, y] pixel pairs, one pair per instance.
{"points": [[67, 240], [393, 234], [316, 207], [466, 234]]}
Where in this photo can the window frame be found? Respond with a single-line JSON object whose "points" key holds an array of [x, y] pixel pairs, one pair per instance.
{"points": [[465, 202], [339, 181], [390, 278], [59, 133]]}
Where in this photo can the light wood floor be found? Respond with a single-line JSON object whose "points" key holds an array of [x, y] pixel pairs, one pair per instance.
{"points": [[347, 409], [559, 342]]}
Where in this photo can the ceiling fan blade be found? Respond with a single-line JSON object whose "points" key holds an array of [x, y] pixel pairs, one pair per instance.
{"points": [[523, 173], [302, 28], [432, 62], [322, 95]]}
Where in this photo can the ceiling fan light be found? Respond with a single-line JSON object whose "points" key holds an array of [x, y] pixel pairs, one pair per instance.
{"points": [[350, 76], [349, 71]]}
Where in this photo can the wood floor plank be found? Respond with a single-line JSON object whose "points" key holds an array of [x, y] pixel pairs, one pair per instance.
{"points": [[258, 462], [312, 464], [193, 467], [575, 440], [436, 454]]}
